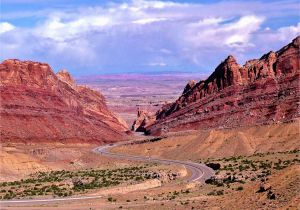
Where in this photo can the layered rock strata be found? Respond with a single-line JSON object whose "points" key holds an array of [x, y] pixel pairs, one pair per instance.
{"points": [[262, 91], [38, 105]]}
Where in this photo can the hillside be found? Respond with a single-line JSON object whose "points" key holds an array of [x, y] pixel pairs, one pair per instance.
{"points": [[262, 91], [219, 143], [38, 105]]}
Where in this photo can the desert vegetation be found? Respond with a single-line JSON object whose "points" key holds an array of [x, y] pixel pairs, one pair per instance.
{"points": [[67, 183], [238, 170], [150, 140]]}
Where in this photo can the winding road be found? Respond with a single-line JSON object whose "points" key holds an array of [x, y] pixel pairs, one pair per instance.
{"points": [[199, 173]]}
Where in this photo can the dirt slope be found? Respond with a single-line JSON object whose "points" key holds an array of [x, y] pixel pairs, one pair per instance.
{"points": [[222, 142]]}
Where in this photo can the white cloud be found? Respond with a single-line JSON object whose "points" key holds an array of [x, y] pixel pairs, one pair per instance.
{"points": [[242, 30], [288, 33], [269, 39], [213, 32], [5, 27], [129, 35], [208, 22], [157, 64], [142, 4], [57, 29], [148, 20], [165, 51]]}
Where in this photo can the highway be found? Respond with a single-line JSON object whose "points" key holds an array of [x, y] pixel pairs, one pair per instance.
{"points": [[199, 173]]}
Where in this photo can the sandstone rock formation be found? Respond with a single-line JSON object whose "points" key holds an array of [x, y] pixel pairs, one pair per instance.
{"points": [[262, 91], [189, 86], [38, 105], [143, 120]]}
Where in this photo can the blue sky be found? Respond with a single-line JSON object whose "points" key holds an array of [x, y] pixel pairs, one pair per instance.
{"points": [[100, 37]]}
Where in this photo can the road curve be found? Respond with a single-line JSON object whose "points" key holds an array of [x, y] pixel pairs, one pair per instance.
{"points": [[199, 172]]}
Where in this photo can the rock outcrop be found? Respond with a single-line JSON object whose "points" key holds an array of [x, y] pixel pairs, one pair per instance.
{"points": [[262, 91], [144, 119], [38, 105], [189, 86]]}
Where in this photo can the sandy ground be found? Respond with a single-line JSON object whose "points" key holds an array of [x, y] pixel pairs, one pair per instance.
{"points": [[18, 160], [195, 145]]}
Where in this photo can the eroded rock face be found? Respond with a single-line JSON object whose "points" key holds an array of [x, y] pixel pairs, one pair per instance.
{"points": [[189, 86], [39, 106], [262, 91], [143, 120], [65, 76]]}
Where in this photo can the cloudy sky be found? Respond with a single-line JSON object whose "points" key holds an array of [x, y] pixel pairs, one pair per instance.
{"points": [[90, 37]]}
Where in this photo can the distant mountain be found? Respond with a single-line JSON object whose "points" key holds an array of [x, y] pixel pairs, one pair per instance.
{"points": [[262, 91], [139, 77], [40, 106]]}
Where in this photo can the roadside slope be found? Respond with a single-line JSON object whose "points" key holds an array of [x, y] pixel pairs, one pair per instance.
{"points": [[222, 142]]}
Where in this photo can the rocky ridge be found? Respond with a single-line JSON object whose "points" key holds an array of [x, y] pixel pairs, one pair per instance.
{"points": [[38, 105], [262, 91]]}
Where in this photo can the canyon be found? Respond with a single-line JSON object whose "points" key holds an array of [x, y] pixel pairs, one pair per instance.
{"points": [[128, 93], [243, 118]]}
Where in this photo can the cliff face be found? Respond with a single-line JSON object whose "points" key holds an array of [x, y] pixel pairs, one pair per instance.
{"points": [[143, 120], [262, 91], [39, 106]]}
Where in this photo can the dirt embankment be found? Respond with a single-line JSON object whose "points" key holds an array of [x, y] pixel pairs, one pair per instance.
{"points": [[222, 143], [131, 188], [18, 160]]}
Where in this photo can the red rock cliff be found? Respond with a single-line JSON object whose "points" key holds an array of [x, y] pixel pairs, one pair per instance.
{"points": [[39, 106], [262, 91]]}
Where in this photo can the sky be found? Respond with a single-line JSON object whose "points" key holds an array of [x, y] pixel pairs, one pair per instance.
{"points": [[90, 37]]}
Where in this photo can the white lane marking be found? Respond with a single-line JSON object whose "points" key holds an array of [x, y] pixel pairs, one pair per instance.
{"points": [[51, 200], [104, 151]]}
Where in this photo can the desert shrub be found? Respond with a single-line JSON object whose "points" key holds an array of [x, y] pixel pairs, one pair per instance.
{"points": [[176, 193], [187, 191], [220, 192], [239, 188], [214, 166], [172, 197]]}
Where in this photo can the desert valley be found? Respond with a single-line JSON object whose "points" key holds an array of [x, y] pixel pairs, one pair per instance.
{"points": [[228, 140], [149, 105]]}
